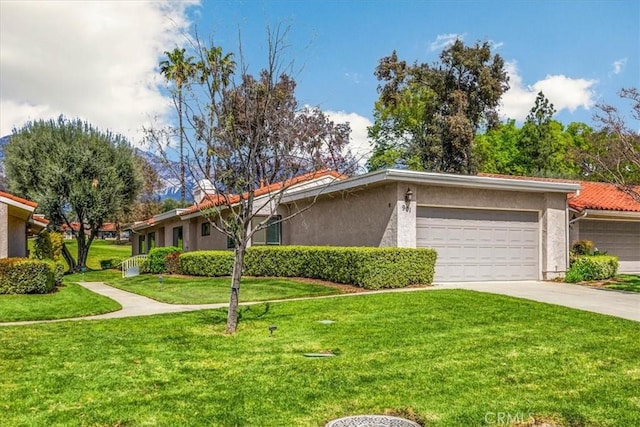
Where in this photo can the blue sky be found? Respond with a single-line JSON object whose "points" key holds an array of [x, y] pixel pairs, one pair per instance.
{"points": [[98, 60]]}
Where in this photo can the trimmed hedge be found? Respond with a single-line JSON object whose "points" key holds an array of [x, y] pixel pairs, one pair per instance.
{"points": [[595, 267], [106, 264], [29, 276], [156, 262], [206, 263], [370, 268]]}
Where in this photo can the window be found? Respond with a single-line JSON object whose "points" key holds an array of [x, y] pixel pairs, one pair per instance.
{"points": [[230, 244], [151, 241], [141, 245], [177, 237], [269, 235], [205, 229]]}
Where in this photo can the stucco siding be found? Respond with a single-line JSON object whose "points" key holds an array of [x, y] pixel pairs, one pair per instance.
{"points": [[554, 236], [215, 240], [17, 237], [363, 217], [478, 198]]}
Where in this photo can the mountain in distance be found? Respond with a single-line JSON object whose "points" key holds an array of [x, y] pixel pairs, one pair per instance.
{"points": [[170, 183]]}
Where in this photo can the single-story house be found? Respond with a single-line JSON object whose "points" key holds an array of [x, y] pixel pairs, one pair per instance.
{"points": [[17, 222], [483, 227], [107, 231]]}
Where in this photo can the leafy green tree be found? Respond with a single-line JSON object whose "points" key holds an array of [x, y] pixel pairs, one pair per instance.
{"points": [[179, 69], [497, 150], [542, 147], [427, 116], [75, 172]]}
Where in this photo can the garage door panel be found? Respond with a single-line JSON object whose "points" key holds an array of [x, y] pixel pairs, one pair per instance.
{"points": [[619, 238], [477, 245]]}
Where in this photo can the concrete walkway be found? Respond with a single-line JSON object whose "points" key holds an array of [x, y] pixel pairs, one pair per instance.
{"points": [[604, 301], [625, 305]]}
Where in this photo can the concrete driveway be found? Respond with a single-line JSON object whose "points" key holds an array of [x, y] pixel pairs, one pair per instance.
{"points": [[614, 303]]}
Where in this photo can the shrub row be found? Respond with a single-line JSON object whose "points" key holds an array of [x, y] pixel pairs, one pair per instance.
{"points": [[595, 267], [29, 276], [156, 262], [108, 263], [371, 268]]}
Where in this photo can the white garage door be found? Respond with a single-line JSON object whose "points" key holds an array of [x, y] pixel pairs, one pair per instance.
{"points": [[618, 238], [480, 245]]}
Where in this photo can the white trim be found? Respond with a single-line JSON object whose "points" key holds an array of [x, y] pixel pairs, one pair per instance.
{"points": [[16, 204]]}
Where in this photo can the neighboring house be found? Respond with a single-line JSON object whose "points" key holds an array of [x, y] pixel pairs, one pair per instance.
{"points": [[608, 216], [17, 222], [484, 228], [107, 231]]}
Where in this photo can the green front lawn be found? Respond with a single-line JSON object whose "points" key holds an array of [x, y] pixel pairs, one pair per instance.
{"points": [[208, 290], [70, 300], [101, 249], [445, 358], [625, 282]]}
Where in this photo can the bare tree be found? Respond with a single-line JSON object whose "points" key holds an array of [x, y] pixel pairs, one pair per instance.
{"points": [[251, 142], [613, 151]]}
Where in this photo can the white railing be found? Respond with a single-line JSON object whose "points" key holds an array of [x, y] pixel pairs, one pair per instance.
{"points": [[131, 266]]}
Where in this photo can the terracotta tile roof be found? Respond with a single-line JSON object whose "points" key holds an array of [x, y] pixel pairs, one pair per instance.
{"points": [[593, 195], [18, 199], [213, 200], [40, 218], [603, 196]]}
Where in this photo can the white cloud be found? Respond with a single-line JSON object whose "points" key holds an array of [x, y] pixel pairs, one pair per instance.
{"points": [[360, 145], [619, 65], [445, 40], [565, 93], [92, 60]]}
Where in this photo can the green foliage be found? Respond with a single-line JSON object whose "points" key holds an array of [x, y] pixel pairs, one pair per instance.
{"points": [[427, 115], [172, 263], [28, 276], [541, 147], [48, 245], [157, 259], [595, 267], [109, 263], [583, 247], [371, 268], [207, 263], [75, 172]]}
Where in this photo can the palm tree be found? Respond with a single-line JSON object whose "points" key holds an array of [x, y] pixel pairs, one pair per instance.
{"points": [[214, 71], [179, 69]]}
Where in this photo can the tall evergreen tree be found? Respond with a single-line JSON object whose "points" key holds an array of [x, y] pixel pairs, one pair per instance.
{"points": [[428, 115]]}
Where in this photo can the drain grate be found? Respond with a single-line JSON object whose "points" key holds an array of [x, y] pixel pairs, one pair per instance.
{"points": [[371, 421]]}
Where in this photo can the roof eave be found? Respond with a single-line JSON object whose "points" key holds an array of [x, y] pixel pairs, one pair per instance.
{"points": [[610, 214], [443, 180]]}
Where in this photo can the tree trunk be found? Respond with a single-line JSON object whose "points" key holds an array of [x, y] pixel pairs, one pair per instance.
{"points": [[183, 188], [234, 298], [68, 258]]}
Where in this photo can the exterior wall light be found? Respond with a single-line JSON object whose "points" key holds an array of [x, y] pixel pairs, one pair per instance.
{"points": [[408, 196]]}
